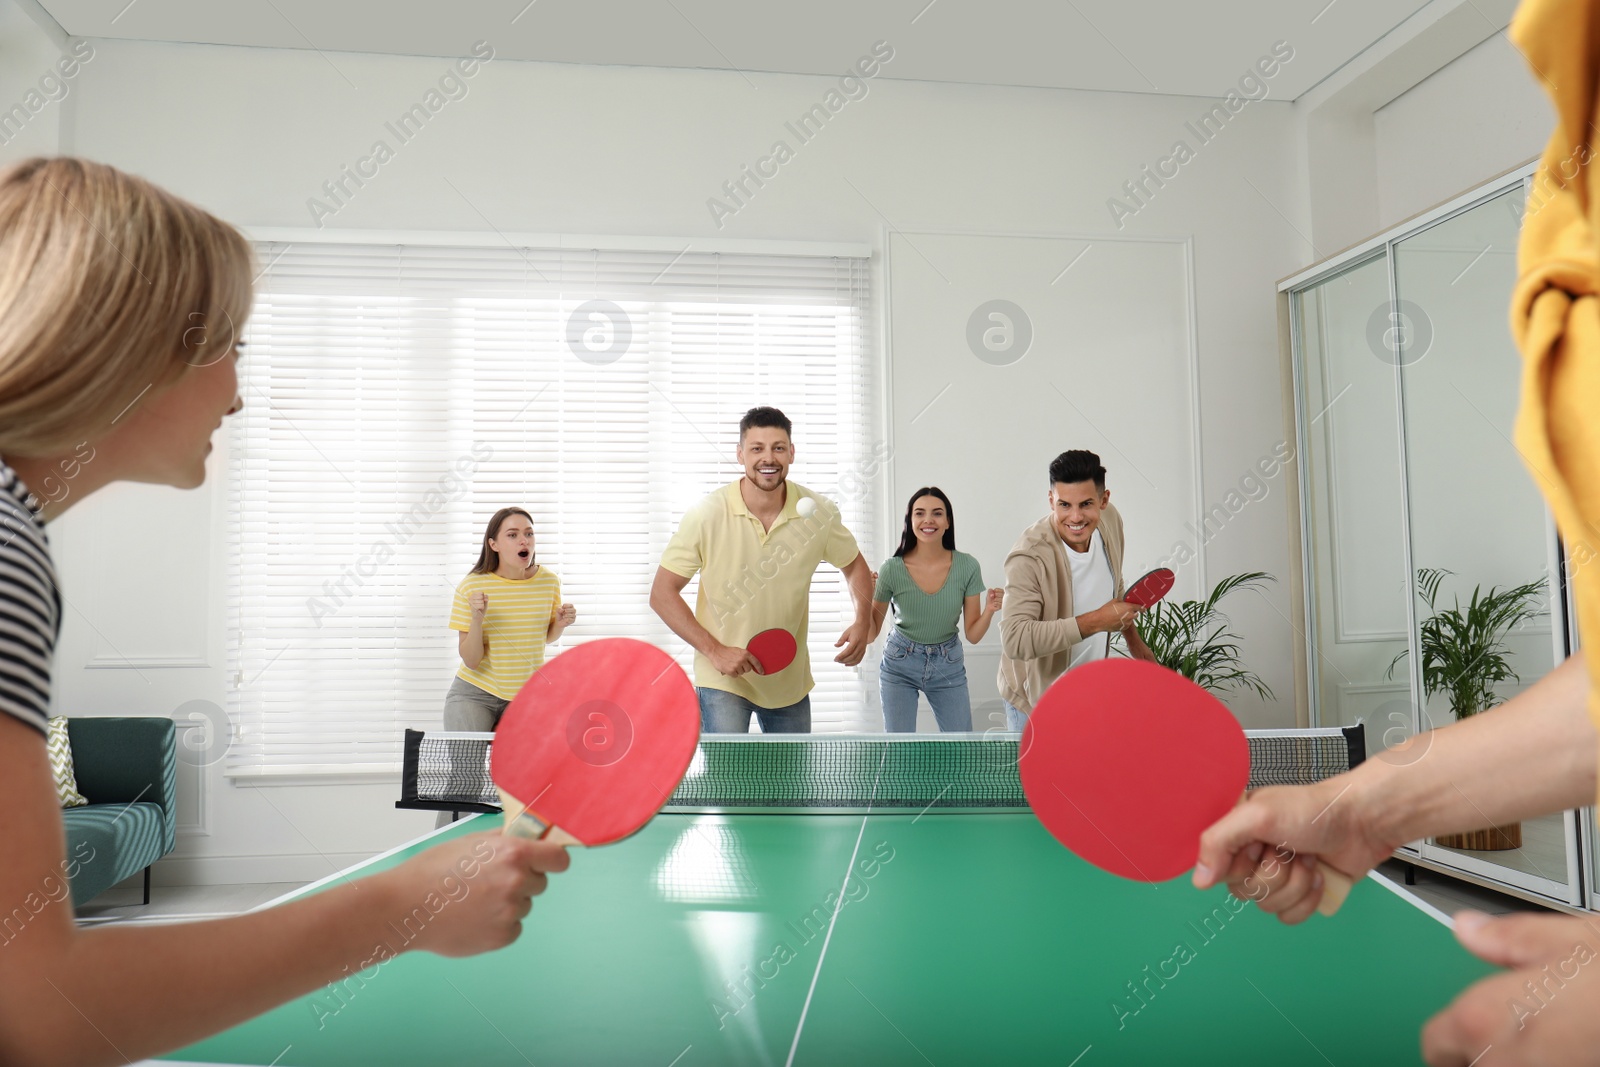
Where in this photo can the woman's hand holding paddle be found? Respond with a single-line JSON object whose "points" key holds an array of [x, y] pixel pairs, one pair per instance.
{"points": [[468, 895]]}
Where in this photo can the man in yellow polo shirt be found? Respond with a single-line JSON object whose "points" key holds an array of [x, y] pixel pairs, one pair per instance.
{"points": [[755, 550]]}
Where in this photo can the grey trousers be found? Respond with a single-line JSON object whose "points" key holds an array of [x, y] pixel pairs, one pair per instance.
{"points": [[469, 709]]}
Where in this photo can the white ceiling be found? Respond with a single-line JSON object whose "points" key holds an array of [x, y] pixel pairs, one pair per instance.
{"points": [[1184, 47]]}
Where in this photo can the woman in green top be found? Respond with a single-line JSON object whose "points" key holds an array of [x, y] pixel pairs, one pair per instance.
{"points": [[933, 589]]}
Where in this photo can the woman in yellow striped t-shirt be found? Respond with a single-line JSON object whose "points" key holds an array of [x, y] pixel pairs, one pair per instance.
{"points": [[506, 610]]}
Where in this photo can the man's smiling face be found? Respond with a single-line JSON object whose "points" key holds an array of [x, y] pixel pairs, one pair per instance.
{"points": [[765, 453], [1075, 509]]}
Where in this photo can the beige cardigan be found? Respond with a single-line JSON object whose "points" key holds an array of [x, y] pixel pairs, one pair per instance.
{"points": [[1038, 627]]}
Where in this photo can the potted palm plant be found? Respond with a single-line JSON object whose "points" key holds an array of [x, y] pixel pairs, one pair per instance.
{"points": [[1192, 638], [1464, 654]]}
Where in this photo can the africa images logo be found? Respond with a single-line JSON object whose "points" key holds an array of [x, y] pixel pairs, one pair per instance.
{"points": [[599, 732]]}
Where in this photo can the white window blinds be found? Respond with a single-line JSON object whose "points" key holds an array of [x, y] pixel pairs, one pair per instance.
{"points": [[396, 396]]}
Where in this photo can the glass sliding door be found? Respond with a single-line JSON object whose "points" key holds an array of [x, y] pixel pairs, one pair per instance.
{"points": [[1354, 507], [1415, 501], [1487, 603]]}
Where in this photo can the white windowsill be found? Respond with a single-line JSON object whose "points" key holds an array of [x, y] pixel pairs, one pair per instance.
{"points": [[311, 775]]}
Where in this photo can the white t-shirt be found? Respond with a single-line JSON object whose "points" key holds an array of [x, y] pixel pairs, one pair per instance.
{"points": [[1091, 587]]}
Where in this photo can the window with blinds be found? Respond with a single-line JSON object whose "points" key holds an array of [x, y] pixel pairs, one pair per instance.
{"points": [[396, 396]]}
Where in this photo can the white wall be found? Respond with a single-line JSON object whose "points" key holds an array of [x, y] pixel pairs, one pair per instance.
{"points": [[547, 148], [1337, 151], [985, 432], [1482, 114], [33, 95]]}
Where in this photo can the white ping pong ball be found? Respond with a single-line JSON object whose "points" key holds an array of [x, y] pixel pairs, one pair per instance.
{"points": [[806, 506]]}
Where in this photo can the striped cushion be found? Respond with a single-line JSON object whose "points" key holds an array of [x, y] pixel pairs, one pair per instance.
{"points": [[60, 750]]}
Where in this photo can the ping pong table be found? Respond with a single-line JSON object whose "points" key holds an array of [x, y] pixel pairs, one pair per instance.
{"points": [[886, 937], [880, 939]]}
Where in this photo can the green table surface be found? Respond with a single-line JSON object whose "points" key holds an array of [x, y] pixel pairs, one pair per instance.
{"points": [[962, 939]]}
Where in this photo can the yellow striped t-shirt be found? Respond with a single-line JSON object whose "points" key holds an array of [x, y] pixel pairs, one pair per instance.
{"points": [[519, 613]]}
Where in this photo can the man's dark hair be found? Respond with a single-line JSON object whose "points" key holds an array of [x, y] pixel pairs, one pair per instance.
{"points": [[1078, 465], [770, 417]]}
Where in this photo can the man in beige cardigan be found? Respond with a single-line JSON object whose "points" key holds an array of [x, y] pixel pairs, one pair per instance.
{"points": [[1071, 556]]}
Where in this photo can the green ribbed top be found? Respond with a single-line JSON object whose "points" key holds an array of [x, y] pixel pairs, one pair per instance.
{"points": [[926, 619]]}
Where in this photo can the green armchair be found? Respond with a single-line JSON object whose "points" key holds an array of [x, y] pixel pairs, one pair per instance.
{"points": [[127, 768]]}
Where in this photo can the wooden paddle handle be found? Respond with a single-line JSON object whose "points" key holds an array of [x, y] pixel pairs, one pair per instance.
{"points": [[1335, 884], [520, 822], [1335, 887], [525, 826]]}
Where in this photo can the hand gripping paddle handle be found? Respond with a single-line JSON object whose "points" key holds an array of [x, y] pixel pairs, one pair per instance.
{"points": [[523, 822], [1335, 887]]}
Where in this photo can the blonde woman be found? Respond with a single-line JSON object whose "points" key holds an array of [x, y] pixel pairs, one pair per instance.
{"points": [[118, 306]]}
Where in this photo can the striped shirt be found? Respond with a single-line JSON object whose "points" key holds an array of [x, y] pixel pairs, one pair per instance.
{"points": [[929, 618], [30, 605], [520, 612]]}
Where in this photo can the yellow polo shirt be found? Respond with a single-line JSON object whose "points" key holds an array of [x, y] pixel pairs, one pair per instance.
{"points": [[753, 579]]}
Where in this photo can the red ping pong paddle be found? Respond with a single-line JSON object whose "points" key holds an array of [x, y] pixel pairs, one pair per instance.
{"points": [[1127, 763], [1150, 587], [595, 742], [774, 649]]}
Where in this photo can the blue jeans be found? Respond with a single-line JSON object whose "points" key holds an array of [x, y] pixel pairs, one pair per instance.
{"points": [[722, 712], [1015, 720], [939, 671]]}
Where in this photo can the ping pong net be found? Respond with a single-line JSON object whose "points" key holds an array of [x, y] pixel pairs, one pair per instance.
{"points": [[449, 771]]}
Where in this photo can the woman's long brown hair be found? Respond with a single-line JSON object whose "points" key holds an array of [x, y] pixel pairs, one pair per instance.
{"points": [[488, 558]]}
